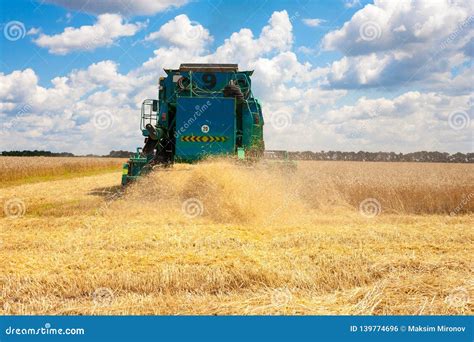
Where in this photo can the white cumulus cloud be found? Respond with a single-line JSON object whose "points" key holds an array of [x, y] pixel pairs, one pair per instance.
{"points": [[313, 22], [397, 42], [351, 3], [107, 29], [182, 32]]}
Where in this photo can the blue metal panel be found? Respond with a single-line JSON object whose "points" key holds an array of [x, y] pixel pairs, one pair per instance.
{"points": [[204, 126]]}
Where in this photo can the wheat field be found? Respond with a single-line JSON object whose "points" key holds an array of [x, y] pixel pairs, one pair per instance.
{"points": [[218, 238], [20, 170]]}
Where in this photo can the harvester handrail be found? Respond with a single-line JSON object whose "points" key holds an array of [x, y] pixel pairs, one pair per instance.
{"points": [[152, 118]]}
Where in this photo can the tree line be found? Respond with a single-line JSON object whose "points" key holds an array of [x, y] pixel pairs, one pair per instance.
{"points": [[421, 156], [37, 153]]}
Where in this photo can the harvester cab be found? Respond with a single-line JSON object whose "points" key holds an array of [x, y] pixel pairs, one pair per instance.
{"points": [[201, 110]]}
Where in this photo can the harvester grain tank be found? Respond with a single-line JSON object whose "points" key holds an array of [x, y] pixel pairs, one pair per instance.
{"points": [[201, 110]]}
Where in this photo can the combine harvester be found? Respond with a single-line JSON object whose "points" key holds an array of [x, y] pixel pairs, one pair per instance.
{"points": [[202, 110]]}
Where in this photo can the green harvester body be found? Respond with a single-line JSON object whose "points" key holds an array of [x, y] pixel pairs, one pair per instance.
{"points": [[202, 110]]}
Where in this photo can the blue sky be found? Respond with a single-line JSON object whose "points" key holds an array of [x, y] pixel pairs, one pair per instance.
{"points": [[222, 18], [340, 75]]}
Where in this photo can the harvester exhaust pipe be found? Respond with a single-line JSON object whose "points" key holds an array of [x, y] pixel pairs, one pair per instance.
{"points": [[233, 90]]}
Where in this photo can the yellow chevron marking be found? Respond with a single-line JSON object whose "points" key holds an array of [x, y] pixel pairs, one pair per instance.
{"points": [[203, 138]]}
